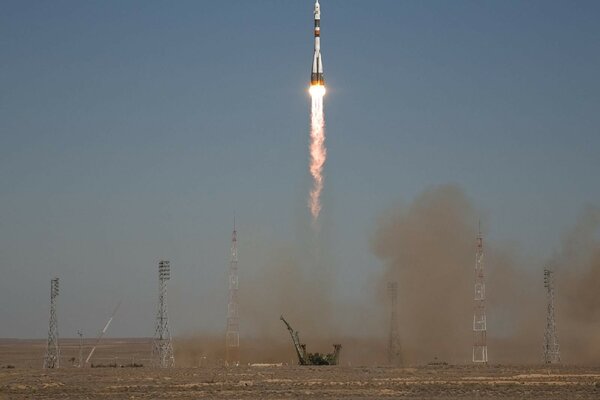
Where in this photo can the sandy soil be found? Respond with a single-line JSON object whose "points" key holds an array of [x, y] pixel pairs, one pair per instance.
{"points": [[284, 382]]}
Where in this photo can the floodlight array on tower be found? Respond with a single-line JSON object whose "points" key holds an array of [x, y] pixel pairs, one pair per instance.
{"points": [[163, 355]]}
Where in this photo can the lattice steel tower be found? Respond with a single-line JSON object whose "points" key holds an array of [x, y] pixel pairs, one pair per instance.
{"points": [[52, 358], [80, 334], [232, 334], [551, 348], [394, 349], [162, 347], [479, 319]]}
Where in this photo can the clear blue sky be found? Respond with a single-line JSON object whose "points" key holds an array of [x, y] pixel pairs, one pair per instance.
{"points": [[131, 130]]}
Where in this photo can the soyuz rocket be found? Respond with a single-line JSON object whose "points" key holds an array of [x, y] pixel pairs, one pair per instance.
{"points": [[316, 76]]}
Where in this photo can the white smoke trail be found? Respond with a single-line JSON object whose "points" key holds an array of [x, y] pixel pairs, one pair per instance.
{"points": [[318, 153]]}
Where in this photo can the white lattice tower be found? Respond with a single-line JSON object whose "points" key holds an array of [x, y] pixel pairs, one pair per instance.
{"points": [[232, 333], [162, 345], [52, 358], [394, 349], [480, 354], [551, 348]]}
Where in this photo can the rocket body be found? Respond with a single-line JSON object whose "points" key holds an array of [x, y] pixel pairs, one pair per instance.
{"points": [[316, 76]]}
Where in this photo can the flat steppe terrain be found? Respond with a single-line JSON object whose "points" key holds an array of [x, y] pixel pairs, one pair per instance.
{"points": [[26, 381]]}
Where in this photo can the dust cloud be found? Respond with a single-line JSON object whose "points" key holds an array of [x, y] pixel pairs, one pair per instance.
{"points": [[428, 247], [289, 283], [577, 282]]}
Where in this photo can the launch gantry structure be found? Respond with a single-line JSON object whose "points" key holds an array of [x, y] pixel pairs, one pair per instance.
{"points": [[52, 358], [232, 333], [480, 355], [306, 358], [551, 348], [162, 346]]}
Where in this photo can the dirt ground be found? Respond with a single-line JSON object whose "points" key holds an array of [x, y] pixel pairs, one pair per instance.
{"points": [[27, 380]]}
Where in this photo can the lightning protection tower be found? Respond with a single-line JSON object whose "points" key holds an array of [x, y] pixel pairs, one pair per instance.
{"points": [[480, 355], [52, 358], [232, 333], [394, 350], [80, 334], [162, 348], [551, 348]]}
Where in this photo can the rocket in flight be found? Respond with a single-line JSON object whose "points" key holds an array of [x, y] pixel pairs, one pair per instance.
{"points": [[316, 76]]}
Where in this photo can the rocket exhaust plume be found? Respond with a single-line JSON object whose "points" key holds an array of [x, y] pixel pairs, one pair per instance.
{"points": [[318, 152]]}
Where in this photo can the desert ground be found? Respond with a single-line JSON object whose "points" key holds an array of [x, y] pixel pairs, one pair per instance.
{"points": [[21, 377]]}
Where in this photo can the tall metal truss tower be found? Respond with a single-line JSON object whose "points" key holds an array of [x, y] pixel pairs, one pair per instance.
{"points": [[480, 354], [52, 358], [162, 347], [394, 349], [551, 348], [232, 333], [80, 334]]}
